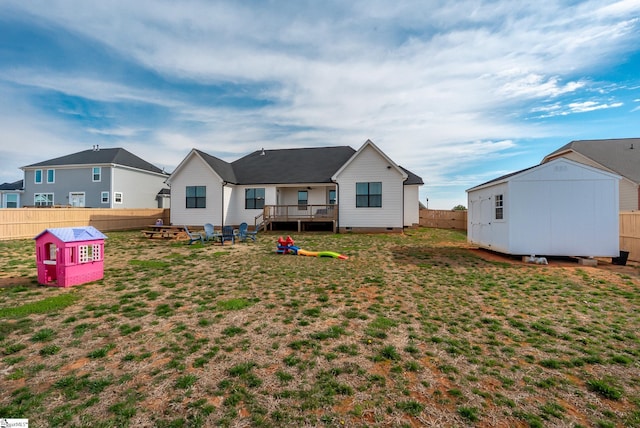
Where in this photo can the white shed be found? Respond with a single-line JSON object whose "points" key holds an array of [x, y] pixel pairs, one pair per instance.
{"points": [[560, 208]]}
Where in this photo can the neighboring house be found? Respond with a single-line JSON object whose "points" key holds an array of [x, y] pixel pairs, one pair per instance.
{"points": [[10, 194], [559, 208], [96, 178], [620, 156], [352, 190]]}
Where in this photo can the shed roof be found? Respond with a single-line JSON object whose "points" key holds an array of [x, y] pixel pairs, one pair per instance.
{"points": [[74, 234], [507, 177], [117, 156], [621, 156]]}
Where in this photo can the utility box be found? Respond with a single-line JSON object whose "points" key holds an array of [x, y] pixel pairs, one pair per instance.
{"points": [[69, 256], [559, 208]]}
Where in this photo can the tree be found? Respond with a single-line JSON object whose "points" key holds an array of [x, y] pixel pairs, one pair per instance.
{"points": [[459, 208]]}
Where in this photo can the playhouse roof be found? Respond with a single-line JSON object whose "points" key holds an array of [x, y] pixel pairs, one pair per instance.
{"points": [[74, 234]]}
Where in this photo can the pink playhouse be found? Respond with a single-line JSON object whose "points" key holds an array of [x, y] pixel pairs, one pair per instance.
{"points": [[69, 256]]}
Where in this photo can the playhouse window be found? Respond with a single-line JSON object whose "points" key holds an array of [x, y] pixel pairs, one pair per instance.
{"points": [[196, 197], [499, 207], [89, 253], [369, 195], [96, 173], [43, 199], [254, 198]]}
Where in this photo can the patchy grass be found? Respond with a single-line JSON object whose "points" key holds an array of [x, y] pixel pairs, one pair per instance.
{"points": [[413, 329]]}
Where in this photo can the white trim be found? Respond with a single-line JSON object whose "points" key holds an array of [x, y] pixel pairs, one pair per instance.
{"points": [[369, 143], [93, 180], [102, 198]]}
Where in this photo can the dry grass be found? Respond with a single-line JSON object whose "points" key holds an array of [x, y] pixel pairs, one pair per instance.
{"points": [[411, 330]]}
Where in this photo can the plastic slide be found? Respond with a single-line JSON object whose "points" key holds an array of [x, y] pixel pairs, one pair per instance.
{"points": [[285, 246]]}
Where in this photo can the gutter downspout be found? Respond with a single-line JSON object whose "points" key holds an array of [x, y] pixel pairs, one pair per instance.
{"points": [[338, 200], [224, 184]]}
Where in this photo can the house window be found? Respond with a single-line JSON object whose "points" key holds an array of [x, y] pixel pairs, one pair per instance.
{"points": [[11, 200], [104, 197], [332, 197], [303, 199], [96, 174], [51, 176], [117, 197], [499, 207], [196, 196], [369, 195], [43, 199], [38, 176], [254, 199]]}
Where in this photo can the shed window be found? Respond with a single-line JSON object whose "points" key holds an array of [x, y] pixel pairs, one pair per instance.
{"points": [[196, 197], [254, 198], [499, 207], [369, 195]]}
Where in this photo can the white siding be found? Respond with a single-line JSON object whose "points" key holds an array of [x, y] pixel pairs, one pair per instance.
{"points": [[628, 199], [237, 213], [482, 227], [195, 172], [139, 189], [369, 166], [411, 205]]}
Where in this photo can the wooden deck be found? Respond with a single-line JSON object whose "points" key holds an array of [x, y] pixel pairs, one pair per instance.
{"points": [[302, 215]]}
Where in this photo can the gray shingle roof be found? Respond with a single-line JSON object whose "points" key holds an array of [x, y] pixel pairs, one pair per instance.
{"points": [[291, 166], [619, 155], [287, 166], [16, 185], [118, 156]]}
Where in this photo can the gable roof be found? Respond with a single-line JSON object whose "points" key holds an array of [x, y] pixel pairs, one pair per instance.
{"points": [[284, 166], [506, 177], [621, 156], [291, 166], [74, 234], [118, 156], [16, 185]]}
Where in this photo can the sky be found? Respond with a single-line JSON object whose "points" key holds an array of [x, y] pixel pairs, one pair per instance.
{"points": [[458, 92]]}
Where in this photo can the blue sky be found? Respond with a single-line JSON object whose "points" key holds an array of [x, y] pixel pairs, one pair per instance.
{"points": [[458, 92]]}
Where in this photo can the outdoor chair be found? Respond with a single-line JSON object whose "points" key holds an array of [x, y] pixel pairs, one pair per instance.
{"points": [[209, 233], [193, 236], [227, 235], [244, 233]]}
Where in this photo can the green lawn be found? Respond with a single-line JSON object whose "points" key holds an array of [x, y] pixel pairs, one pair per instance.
{"points": [[412, 330]]}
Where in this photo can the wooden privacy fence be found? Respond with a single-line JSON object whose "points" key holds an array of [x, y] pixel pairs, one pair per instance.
{"points": [[443, 219], [630, 234], [25, 223]]}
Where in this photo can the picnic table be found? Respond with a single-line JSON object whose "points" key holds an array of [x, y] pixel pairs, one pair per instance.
{"points": [[163, 231]]}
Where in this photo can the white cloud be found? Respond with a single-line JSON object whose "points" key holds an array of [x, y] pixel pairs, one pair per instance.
{"points": [[434, 86]]}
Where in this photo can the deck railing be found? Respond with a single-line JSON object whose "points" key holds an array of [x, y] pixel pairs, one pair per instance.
{"points": [[307, 212]]}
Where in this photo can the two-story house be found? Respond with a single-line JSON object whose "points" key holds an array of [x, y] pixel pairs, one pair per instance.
{"points": [[95, 178]]}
